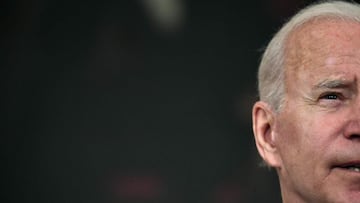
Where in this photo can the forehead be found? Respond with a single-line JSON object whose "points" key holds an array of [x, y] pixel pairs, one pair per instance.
{"points": [[321, 43]]}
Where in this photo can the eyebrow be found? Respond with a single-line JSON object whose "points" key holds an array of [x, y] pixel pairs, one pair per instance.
{"points": [[334, 83]]}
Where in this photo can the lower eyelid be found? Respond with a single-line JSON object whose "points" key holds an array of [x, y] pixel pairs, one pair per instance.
{"points": [[330, 103]]}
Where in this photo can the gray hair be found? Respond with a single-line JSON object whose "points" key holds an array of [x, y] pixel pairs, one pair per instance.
{"points": [[271, 74]]}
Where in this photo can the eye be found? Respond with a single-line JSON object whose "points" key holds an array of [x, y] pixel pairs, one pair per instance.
{"points": [[331, 96], [331, 99]]}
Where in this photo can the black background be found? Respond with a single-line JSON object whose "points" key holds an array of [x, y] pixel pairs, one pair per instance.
{"points": [[103, 103]]}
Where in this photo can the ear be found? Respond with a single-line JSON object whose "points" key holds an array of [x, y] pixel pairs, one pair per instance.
{"points": [[263, 118]]}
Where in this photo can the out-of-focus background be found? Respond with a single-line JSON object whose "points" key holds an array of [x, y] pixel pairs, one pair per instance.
{"points": [[134, 101]]}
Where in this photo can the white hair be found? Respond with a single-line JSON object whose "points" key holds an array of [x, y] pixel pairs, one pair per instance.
{"points": [[271, 80]]}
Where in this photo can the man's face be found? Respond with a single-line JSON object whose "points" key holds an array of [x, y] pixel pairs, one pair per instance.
{"points": [[317, 133]]}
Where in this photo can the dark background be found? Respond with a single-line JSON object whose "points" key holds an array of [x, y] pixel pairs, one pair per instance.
{"points": [[134, 101]]}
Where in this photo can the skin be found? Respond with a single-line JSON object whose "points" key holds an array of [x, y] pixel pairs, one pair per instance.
{"points": [[317, 132]]}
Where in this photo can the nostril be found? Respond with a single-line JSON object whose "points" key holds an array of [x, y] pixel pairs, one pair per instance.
{"points": [[355, 136], [352, 136]]}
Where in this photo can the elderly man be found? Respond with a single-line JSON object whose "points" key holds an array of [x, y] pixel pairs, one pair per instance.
{"points": [[307, 122]]}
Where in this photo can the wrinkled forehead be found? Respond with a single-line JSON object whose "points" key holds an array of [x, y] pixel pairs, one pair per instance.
{"points": [[319, 42]]}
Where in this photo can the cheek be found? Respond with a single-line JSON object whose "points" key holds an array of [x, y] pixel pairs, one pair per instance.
{"points": [[289, 130], [298, 136], [299, 147], [303, 136], [322, 129]]}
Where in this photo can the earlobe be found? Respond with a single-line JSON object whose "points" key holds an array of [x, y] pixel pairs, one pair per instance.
{"points": [[263, 127]]}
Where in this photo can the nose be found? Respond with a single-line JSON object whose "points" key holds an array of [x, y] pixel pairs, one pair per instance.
{"points": [[352, 130]]}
